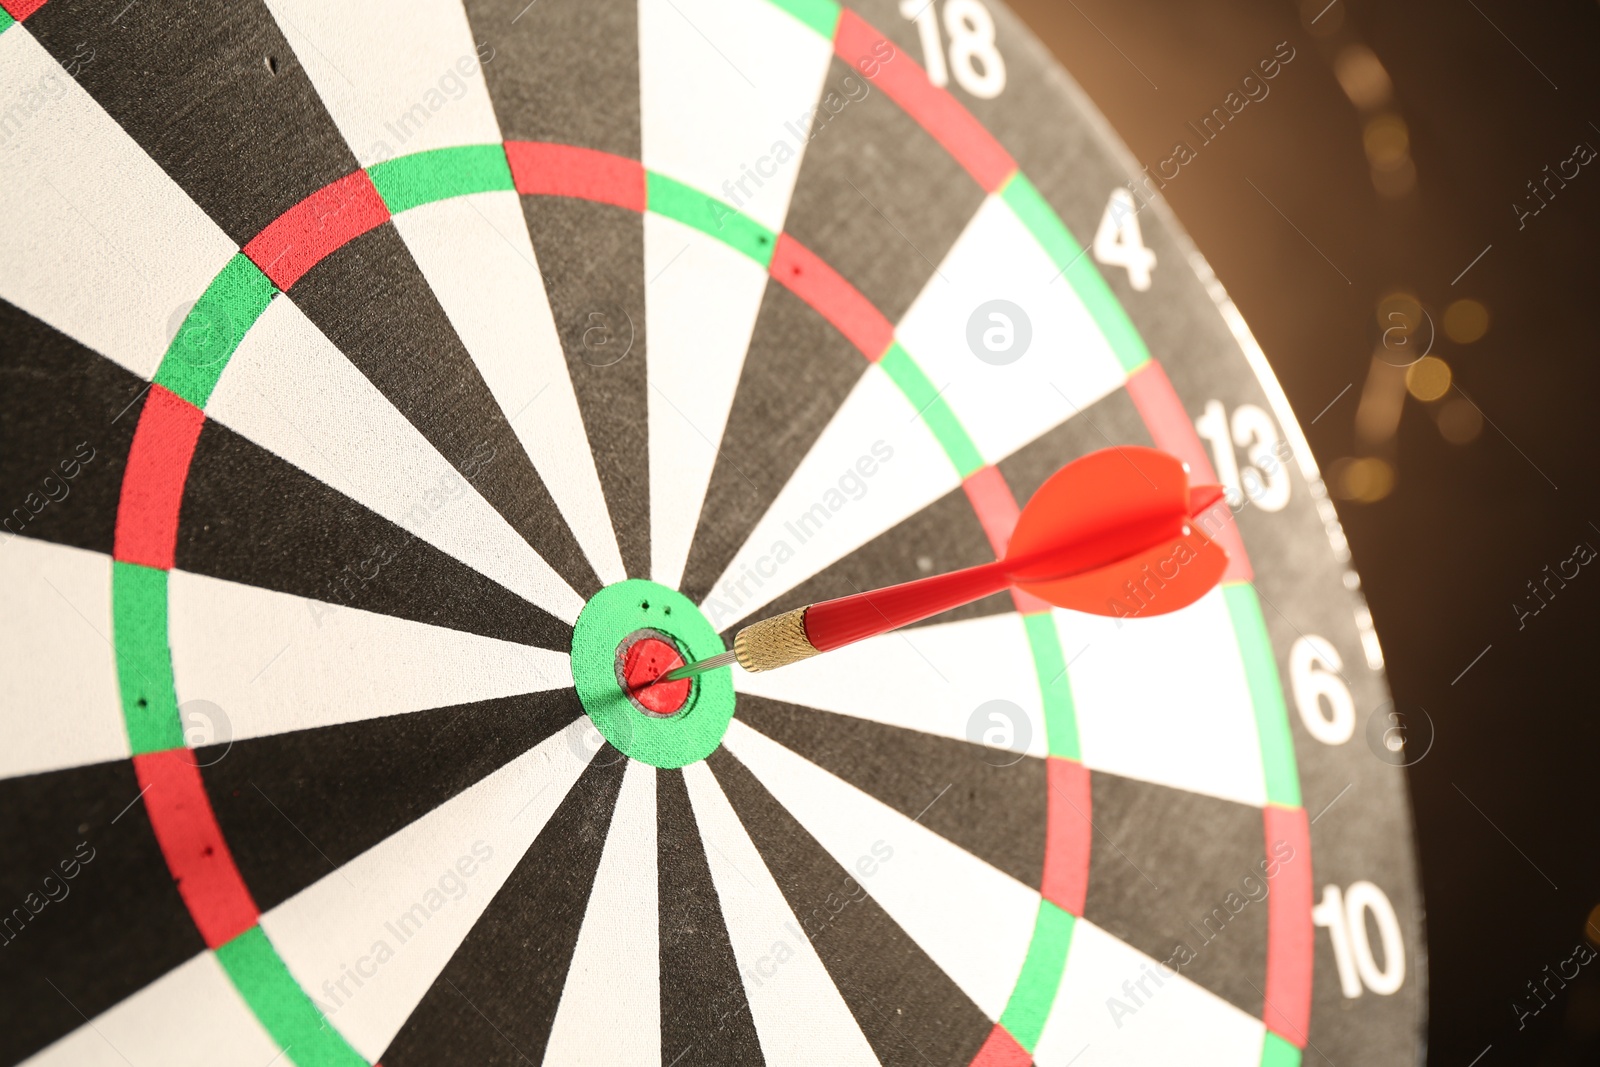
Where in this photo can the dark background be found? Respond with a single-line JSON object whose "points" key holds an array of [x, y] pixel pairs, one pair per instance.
{"points": [[1342, 213]]}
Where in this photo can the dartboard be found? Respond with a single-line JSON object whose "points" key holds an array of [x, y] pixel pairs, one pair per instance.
{"points": [[383, 384]]}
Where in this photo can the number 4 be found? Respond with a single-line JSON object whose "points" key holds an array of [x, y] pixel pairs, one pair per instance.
{"points": [[1120, 243]]}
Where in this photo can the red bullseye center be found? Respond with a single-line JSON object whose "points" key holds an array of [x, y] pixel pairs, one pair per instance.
{"points": [[642, 662]]}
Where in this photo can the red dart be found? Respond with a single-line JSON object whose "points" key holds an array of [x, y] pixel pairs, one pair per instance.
{"points": [[1111, 533]]}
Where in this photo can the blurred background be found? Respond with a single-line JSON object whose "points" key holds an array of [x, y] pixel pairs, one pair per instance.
{"points": [[1420, 182]]}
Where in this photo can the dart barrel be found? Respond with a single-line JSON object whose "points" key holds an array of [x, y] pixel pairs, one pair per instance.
{"points": [[774, 642]]}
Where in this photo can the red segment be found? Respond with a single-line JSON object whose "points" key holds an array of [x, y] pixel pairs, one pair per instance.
{"points": [[21, 9], [1067, 835], [835, 299], [935, 110], [301, 237], [1000, 1049], [152, 484], [1171, 429], [646, 660], [198, 857], [541, 169], [1290, 935], [997, 509], [991, 498]]}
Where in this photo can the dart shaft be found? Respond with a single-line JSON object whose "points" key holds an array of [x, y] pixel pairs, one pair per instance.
{"points": [[804, 632], [835, 623], [689, 670]]}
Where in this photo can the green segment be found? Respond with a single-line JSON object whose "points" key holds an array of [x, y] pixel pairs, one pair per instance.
{"points": [[1266, 694], [611, 615], [709, 215], [1047, 228], [1060, 714], [212, 330], [1276, 1052], [144, 663], [424, 177], [952, 437], [1042, 968], [295, 1023], [820, 15], [6, 21]]}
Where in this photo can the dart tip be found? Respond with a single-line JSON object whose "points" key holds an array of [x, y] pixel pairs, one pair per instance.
{"points": [[689, 670]]}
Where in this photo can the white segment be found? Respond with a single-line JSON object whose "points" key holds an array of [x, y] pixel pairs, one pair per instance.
{"points": [[1174, 1022], [396, 86], [189, 1017], [971, 919], [726, 91], [799, 1015], [1165, 699], [274, 662], [395, 914], [815, 520], [59, 701], [393, 85], [99, 242], [475, 253], [291, 391], [701, 307], [610, 1009], [928, 678], [1067, 366]]}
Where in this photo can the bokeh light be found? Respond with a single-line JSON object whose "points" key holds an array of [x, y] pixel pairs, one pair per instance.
{"points": [[1465, 321], [1460, 422], [1396, 182], [1387, 141], [1362, 77], [1365, 480], [1428, 378]]}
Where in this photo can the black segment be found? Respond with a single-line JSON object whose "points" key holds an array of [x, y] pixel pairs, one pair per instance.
{"points": [[877, 197], [797, 372], [370, 299], [705, 1018], [563, 72], [569, 74], [213, 92], [1110, 421], [908, 1008], [592, 259], [66, 421], [1183, 878], [991, 803], [294, 807], [496, 999], [250, 517], [945, 536], [90, 913]]}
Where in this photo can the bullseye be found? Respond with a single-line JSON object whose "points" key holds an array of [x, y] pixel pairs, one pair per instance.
{"points": [[641, 659], [628, 635]]}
